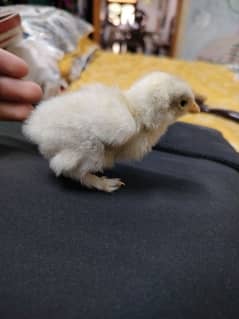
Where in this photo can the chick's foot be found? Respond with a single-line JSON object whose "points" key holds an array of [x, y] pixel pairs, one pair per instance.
{"points": [[101, 183]]}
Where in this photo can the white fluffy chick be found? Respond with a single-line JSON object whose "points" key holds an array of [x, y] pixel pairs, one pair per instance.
{"points": [[83, 132]]}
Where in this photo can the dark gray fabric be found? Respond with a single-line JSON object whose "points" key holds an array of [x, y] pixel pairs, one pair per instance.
{"points": [[165, 246]]}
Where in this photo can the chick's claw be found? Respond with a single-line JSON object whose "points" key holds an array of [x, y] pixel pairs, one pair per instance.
{"points": [[111, 184], [103, 183]]}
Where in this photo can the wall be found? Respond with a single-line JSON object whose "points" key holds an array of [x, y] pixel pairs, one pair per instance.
{"points": [[207, 20]]}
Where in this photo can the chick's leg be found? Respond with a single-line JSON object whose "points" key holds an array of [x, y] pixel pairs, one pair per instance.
{"points": [[72, 164], [101, 183]]}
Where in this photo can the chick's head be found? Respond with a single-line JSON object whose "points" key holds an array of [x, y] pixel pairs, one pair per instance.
{"points": [[161, 98]]}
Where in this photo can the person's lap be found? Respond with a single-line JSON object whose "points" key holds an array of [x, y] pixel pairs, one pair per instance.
{"points": [[165, 246]]}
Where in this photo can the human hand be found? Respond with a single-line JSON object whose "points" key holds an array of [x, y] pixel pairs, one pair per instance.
{"points": [[16, 94]]}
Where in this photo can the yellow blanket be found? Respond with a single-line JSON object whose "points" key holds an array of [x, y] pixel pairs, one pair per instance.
{"points": [[217, 83]]}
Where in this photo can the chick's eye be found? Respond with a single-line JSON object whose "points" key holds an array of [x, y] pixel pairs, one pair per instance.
{"points": [[183, 103]]}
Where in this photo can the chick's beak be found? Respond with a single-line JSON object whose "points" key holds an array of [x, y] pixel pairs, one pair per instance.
{"points": [[194, 108]]}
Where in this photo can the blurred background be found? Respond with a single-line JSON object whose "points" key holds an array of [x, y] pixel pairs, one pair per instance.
{"points": [[189, 29]]}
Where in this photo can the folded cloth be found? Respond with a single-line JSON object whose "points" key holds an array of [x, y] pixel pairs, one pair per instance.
{"points": [[215, 149]]}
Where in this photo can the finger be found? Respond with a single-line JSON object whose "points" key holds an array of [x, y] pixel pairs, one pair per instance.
{"points": [[19, 90], [12, 65], [14, 112]]}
